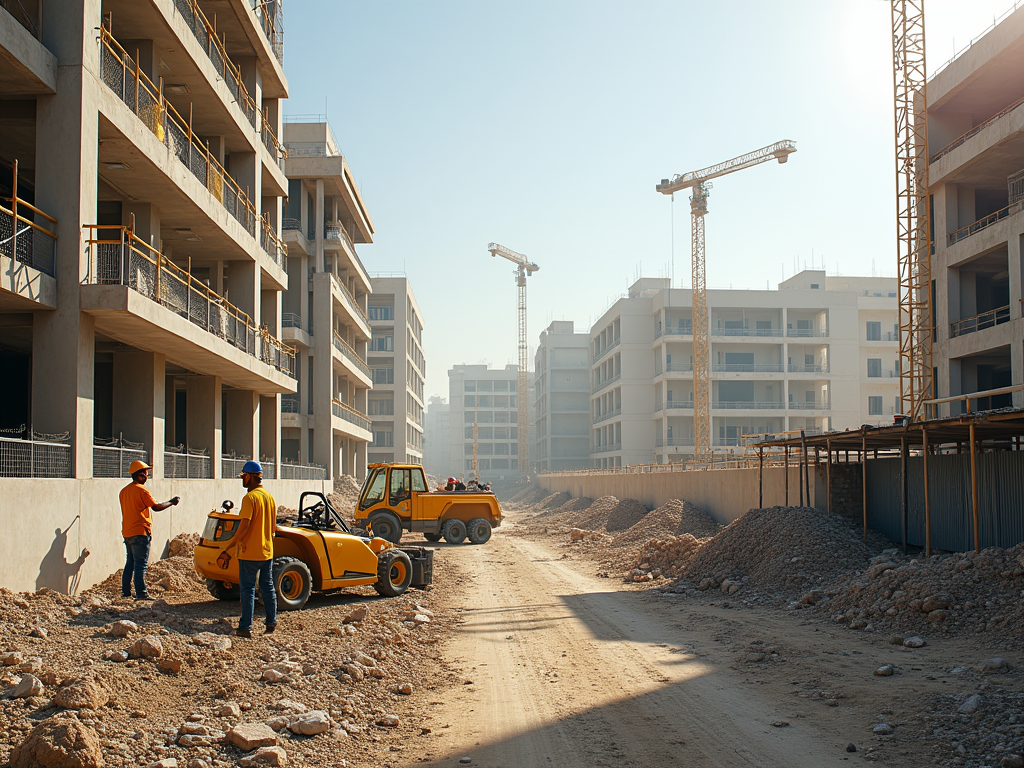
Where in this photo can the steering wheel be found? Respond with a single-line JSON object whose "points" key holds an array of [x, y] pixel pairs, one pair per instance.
{"points": [[318, 513]]}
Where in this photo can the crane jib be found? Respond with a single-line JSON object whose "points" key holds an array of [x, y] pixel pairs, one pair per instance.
{"points": [[780, 151]]}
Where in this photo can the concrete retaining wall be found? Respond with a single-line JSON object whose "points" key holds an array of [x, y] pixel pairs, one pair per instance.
{"points": [[47, 524], [725, 494]]}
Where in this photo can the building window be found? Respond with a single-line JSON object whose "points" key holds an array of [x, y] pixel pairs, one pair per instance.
{"points": [[382, 343], [471, 401], [874, 367], [383, 375], [377, 407], [469, 386], [384, 439], [874, 405], [381, 313], [874, 331]]}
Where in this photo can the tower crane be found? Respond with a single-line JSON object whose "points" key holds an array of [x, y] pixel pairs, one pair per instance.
{"points": [[700, 183], [913, 229], [524, 268]]}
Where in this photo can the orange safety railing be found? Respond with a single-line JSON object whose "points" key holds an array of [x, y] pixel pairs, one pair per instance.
{"points": [[123, 76], [964, 232], [273, 27], [271, 244], [21, 238], [980, 322], [118, 257]]}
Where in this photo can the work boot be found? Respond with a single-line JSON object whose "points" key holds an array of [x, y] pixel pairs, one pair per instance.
{"points": [[243, 633], [270, 628]]}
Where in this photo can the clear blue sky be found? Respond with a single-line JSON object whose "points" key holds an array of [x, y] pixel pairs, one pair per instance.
{"points": [[545, 126]]}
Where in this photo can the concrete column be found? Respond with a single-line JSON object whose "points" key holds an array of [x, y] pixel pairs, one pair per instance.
{"points": [[336, 468], [302, 363], [319, 225], [270, 311], [304, 287], [67, 134], [170, 414], [139, 402], [1013, 253], [270, 429], [204, 416], [360, 470], [146, 219], [243, 288], [324, 448], [241, 423], [246, 169]]}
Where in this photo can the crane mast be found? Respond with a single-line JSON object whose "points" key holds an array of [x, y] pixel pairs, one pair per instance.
{"points": [[524, 268], [700, 183], [913, 235]]}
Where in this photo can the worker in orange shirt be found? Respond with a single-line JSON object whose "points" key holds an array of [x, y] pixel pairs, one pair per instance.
{"points": [[255, 540], [137, 528]]}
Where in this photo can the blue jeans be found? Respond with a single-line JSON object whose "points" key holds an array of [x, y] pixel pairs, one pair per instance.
{"points": [[248, 573], [137, 549]]}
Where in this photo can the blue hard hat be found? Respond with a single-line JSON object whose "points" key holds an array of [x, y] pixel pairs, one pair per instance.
{"points": [[252, 467]]}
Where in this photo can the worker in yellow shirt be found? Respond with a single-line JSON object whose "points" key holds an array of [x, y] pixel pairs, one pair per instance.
{"points": [[255, 541], [137, 528]]}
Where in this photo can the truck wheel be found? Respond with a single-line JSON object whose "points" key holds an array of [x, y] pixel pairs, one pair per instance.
{"points": [[394, 573], [222, 591], [432, 536], [454, 531], [293, 583], [385, 525], [479, 531]]}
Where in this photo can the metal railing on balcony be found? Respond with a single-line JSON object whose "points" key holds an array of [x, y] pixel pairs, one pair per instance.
{"points": [[806, 333], [293, 224], [980, 322], [808, 368], [187, 463], [350, 300], [679, 405], [272, 20], [112, 457], [350, 354], [338, 234], [606, 350], [748, 367], [117, 257], [682, 330], [350, 414], [606, 382], [606, 415], [291, 471], [271, 244], [21, 238], [964, 232], [975, 130], [608, 447], [33, 454], [810, 405], [756, 332], [290, 404], [206, 35], [122, 75], [751, 405], [290, 320]]}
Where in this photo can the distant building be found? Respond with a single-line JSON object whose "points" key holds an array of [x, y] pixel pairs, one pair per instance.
{"points": [[562, 398], [976, 180], [437, 437], [485, 397], [819, 353], [398, 369]]}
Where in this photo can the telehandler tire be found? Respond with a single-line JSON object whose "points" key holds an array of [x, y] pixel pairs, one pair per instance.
{"points": [[293, 583], [386, 526], [432, 536], [222, 591], [479, 531], [394, 573], [454, 531]]}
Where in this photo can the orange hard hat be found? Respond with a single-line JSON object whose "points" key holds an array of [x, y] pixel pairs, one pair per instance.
{"points": [[137, 466]]}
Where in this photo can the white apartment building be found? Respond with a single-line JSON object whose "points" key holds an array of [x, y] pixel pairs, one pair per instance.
{"points": [[398, 369], [819, 353], [437, 437], [487, 398], [325, 309], [562, 398], [976, 178]]}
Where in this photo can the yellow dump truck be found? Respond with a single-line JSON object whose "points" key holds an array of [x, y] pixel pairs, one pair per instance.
{"points": [[395, 497]]}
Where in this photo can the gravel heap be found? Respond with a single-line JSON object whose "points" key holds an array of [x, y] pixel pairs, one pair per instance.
{"points": [[175, 574], [673, 518], [948, 594], [661, 559], [626, 514], [345, 496], [531, 494], [780, 552]]}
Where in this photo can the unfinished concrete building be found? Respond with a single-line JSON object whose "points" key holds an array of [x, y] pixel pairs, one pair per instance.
{"points": [[562, 398], [976, 179], [325, 315], [819, 353], [398, 368]]}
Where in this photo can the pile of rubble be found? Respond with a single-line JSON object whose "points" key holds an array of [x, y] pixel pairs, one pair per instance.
{"points": [[673, 518], [664, 559], [946, 594]]}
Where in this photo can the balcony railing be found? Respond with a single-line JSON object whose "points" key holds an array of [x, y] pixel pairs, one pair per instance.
{"points": [[601, 385], [685, 330], [122, 75], [606, 415], [964, 232], [606, 350], [271, 244], [37, 456], [975, 130], [290, 320], [113, 457], [751, 405], [679, 405], [810, 405], [808, 368], [337, 234], [210, 42], [290, 404], [117, 257], [672, 368], [270, 14], [759, 332], [608, 447], [187, 463], [350, 414], [980, 322], [748, 367], [22, 16], [21, 238], [806, 333], [350, 300], [350, 354]]}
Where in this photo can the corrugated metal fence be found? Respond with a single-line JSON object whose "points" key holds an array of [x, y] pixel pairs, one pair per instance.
{"points": [[1000, 490]]}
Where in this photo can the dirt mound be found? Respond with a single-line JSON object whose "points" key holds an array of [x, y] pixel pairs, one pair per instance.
{"points": [[182, 545], [673, 518], [665, 557], [950, 594], [781, 550], [532, 494], [626, 514], [595, 516], [554, 500], [173, 574], [564, 513], [345, 495]]}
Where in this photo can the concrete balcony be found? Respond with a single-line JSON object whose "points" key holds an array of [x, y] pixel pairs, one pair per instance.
{"points": [[607, 382], [606, 415], [140, 298], [980, 322], [337, 240], [673, 405], [748, 405], [350, 361], [348, 421], [674, 370], [29, 68], [748, 334], [356, 314], [984, 153], [810, 405], [27, 256], [292, 331]]}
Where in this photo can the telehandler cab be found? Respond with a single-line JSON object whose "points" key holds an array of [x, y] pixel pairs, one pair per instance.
{"points": [[317, 552]]}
